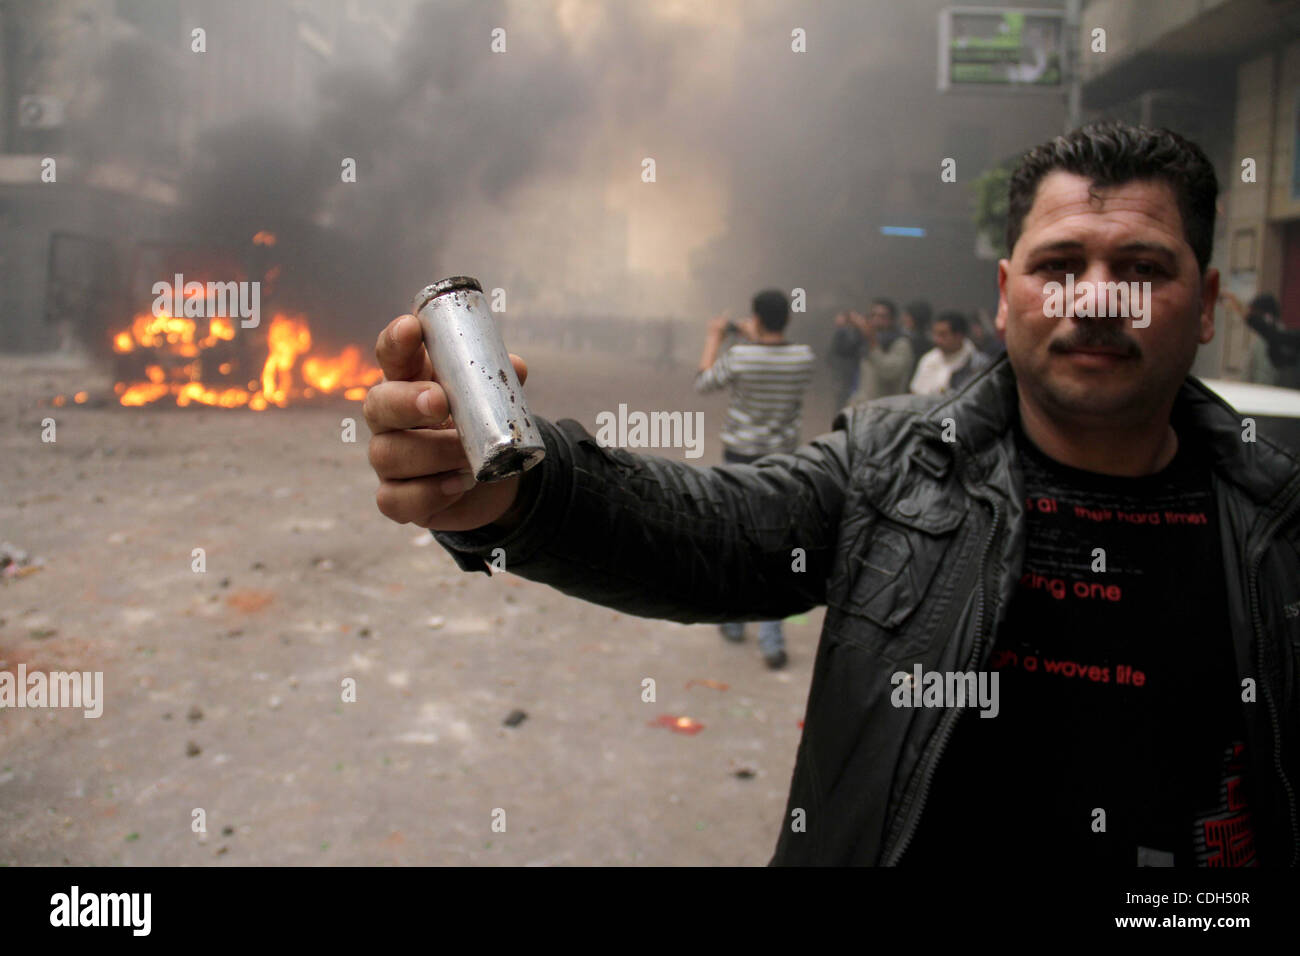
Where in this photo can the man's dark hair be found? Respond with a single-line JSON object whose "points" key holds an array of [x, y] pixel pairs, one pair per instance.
{"points": [[955, 321], [772, 309], [889, 305], [1265, 303], [1110, 153], [920, 313]]}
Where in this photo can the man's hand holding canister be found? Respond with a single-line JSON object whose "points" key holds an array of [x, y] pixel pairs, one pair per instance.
{"points": [[424, 476]]}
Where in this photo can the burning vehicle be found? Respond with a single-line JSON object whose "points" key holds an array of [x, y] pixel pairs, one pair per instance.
{"points": [[193, 340]]}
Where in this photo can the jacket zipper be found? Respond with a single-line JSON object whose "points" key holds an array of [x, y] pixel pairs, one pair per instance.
{"points": [[950, 719], [1260, 638]]}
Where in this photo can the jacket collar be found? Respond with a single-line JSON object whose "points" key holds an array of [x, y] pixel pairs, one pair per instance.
{"points": [[984, 411]]}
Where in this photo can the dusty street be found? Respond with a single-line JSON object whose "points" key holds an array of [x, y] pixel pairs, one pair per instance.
{"points": [[222, 689]]}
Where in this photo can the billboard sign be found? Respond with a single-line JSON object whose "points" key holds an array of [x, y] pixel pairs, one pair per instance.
{"points": [[994, 47]]}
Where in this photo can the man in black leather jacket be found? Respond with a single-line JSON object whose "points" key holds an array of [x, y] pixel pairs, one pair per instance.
{"points": [[1084, 545]]}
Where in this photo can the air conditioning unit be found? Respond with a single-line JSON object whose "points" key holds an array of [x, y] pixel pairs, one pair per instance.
{"points": [[40, 112]]}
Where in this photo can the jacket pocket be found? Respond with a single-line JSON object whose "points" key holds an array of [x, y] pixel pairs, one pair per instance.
{"points": [[892, 562]]}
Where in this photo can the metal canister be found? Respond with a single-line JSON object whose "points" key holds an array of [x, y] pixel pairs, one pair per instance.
{"points": [[472, 365]]}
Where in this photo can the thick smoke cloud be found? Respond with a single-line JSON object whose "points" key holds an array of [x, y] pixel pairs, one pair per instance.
{"points": [[524, 167]]}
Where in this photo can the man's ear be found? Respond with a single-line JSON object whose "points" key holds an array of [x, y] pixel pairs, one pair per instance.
{"points": [[1000, 320], [1209, 296]]}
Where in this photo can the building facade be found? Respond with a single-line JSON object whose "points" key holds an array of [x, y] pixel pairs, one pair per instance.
{"points": [[1225, 73]]}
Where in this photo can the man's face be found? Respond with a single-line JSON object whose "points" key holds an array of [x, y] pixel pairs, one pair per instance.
{"points": [[880, 318], [1076, 368], [945, 339]]}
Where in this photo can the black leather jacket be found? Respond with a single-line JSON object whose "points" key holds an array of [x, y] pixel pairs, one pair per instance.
{"points": [[914, 545]]}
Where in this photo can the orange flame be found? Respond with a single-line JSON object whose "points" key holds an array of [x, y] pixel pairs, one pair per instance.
{"points": [[285, 341], [290, 371], [219, 330], [326, 375]]}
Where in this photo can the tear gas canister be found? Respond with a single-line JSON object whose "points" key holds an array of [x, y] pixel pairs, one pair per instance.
{"points": [[470, 362]]}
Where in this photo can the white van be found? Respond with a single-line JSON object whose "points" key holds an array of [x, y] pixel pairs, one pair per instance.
{"points": [[1276, 410]]}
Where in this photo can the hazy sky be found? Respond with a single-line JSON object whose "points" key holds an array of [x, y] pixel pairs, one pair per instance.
{"points": [[524, 168]]}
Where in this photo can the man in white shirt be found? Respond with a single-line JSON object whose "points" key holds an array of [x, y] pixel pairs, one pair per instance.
{"points": [[952, 362]]}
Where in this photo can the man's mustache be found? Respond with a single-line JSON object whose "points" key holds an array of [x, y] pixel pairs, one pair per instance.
{"points": [[1097, 335]]}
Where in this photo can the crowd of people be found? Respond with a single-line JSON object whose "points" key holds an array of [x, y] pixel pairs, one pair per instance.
{"points": [[888, 353], [882, 353]]}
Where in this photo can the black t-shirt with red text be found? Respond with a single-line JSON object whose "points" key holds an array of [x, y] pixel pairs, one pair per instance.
{"points": [[1119, 734]]}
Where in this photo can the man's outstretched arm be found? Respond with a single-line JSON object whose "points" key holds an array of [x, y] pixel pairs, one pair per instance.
{"points": [[660, 538], [637, 533]]}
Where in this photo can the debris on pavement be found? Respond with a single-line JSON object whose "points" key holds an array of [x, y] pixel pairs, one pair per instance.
{"points": [[714, 684], [17, 563], [679, 725]]}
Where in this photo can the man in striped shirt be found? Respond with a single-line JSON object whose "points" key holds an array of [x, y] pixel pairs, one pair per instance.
{"points": [[768, 376]]}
